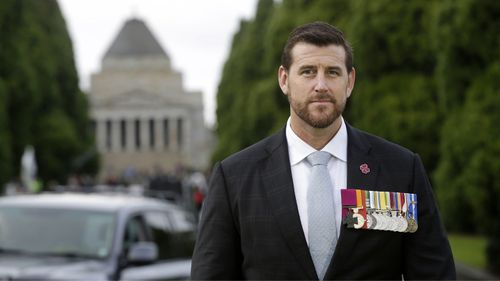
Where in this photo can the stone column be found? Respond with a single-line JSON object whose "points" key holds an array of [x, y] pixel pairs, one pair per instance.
{"points": [[158, 134], [181, 133], [101, 134], [130, 135], [172, 126], [187, 137], [166, 142], [115, 135], [144, 134]]}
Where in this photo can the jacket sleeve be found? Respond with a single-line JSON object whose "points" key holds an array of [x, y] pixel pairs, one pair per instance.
{"points": [[217, 254], [427, 251]]}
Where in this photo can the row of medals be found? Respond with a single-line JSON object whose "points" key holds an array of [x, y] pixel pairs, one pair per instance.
{"points": [[390, 221], [378, 219]]}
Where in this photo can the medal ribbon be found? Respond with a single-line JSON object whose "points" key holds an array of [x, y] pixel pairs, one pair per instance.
{"points": [[383, 203], [414, 205], [409, 204], [388, 200], [372, 200], [359, 202], [397, 205], [367, 199]]}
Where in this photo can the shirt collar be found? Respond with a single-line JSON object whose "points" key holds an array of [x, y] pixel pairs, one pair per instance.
{"points": [[299, 149]]}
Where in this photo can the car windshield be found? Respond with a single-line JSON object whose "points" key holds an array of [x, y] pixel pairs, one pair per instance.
{"points": [[65, 232]]}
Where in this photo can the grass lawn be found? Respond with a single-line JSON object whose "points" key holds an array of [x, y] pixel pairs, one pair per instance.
{"points": [[469, 249]]}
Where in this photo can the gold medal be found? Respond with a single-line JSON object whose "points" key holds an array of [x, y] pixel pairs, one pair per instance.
{"points": [[412, 225], [360, 220]]}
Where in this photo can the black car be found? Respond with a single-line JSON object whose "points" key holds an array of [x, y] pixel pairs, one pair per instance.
{"points": [[93, 237]]}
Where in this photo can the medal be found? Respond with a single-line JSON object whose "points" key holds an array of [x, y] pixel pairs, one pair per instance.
{"points": [[401, 221], [391, 211], [348, 197], [371, 221], [381, 221], [370, 207], [349, 219], [385, 211], [403, 224], [360, 220], [404, 204], [379, 210], [412, 212], [360, 213]]}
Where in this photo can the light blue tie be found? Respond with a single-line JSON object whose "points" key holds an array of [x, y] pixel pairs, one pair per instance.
{"points": [[322, 229]]}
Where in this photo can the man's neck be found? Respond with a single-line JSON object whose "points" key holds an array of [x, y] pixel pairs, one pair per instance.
{"points": [[315, 137]]}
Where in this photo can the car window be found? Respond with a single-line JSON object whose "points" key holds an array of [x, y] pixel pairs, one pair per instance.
{"points": [[161, 230], [172, 232], [97, 235], [56, 231], [134, 232], [181, 221]]}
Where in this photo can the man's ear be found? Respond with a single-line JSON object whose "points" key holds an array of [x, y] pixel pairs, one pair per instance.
{"points": [[283, 79], [351, 79]]}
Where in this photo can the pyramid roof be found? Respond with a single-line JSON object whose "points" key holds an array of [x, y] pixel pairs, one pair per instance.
{"points": [[135, 39]]}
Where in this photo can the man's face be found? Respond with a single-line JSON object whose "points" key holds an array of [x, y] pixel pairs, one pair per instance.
{"points": [[317, 84]]}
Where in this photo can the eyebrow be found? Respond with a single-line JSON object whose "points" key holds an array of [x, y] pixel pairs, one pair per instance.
{"points": [[307, 66], [335, 68]]}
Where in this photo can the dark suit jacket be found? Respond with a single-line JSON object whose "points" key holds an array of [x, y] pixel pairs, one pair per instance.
{"points": [[250, 226]]}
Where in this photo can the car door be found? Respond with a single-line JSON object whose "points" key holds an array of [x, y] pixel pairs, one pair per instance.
{"points": [[173, 263]]}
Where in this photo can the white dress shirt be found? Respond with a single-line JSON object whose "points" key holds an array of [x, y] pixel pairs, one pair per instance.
{"points": [[298, 150]]}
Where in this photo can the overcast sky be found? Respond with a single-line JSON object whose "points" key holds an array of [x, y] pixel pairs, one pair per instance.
{"points": [[196, 34]]}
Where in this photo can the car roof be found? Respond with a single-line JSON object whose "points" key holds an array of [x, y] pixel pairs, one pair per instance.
{"points": [[83, 201]]}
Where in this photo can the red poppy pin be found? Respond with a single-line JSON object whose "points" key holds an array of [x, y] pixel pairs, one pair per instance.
{"points": [[364, 168]]}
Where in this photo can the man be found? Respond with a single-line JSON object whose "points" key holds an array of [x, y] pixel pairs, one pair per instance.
{"points": [[265, 215]]}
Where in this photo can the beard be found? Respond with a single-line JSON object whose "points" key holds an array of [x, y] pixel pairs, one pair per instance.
{"points": [[323, 117]]}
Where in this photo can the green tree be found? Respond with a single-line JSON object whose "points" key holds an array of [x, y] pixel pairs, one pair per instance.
{"points": [[41, 88], [240, 73], [466, 38], [395, 94], [5, 155], [467, 48], [468, 174], [19, 91], [467, 74]]}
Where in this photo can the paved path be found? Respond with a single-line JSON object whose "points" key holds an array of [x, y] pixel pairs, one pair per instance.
{"points": [[465, 272]]}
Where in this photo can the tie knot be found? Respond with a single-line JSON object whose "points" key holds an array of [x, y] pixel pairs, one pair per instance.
{"points": [[319, 158]]}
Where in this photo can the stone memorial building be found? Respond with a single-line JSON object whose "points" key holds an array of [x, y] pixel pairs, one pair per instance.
{"points": [[143, 118]]}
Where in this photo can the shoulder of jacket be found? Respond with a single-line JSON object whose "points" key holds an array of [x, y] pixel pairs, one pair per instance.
{"points": [[255, 152], [383, 146]]}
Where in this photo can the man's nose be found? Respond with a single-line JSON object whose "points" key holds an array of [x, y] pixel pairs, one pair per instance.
{"points": [[320, 86]]}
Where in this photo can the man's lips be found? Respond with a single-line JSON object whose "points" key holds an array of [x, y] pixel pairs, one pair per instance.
{"points": [[321, 101]]}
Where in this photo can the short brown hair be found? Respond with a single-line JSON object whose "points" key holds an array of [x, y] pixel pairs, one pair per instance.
{"points": [[319, 34]]}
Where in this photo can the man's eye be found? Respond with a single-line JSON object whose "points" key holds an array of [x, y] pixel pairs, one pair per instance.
{"points": [[333, 73], [307, 72]]}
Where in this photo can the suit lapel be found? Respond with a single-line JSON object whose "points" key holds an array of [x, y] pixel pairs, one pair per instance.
{"points": [[278, 184], [362, 173], [362, 168]]}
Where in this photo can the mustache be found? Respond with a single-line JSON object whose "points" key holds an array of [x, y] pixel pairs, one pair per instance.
{"points": [[322, 97]]}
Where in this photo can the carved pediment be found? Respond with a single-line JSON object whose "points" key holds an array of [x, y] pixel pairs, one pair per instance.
{"points": [[134, 98], [144, 100]]}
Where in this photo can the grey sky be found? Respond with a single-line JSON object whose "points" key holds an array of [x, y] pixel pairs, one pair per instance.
{"points": [[196, 34]]}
